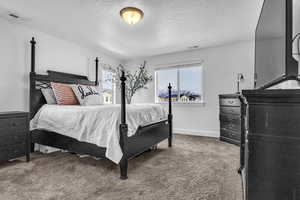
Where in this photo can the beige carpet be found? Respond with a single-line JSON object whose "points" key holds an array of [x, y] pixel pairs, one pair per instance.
{"points": [[196, 168]]}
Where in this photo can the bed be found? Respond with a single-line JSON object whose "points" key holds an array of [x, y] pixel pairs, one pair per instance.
{"points": [[133, 133]]}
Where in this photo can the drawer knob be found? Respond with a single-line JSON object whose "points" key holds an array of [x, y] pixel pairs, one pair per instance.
{"points": [[13, 124]]}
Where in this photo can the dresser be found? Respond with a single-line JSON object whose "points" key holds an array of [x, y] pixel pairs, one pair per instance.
{"points": [[14, 135], [230, 118], [272, 150]]}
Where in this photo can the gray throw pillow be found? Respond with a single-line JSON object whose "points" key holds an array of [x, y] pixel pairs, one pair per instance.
{"points": [[49, 96]]}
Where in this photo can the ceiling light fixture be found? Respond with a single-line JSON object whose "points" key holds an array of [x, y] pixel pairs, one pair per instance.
{"points": [[131, 15]]}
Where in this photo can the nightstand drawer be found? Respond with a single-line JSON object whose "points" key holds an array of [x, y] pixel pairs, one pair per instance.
{"points": [[12, 151], [11, 139], [8, 132], [17, 123]]}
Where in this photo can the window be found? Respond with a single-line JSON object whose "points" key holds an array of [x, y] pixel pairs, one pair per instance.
{"points": [[186, 84], [108, 87]]}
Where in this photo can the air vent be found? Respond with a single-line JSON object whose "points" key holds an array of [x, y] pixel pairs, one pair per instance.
{"points": [[194, 47], [13, 17]]}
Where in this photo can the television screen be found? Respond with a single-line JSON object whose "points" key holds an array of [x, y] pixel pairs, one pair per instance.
{"points": [[270, 43]]}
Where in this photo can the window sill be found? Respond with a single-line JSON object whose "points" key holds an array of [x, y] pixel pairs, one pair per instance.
{"points": [[183, 103]]}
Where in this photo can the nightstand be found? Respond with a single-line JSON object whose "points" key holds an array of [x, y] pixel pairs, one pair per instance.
{"points": [[14, 135]]}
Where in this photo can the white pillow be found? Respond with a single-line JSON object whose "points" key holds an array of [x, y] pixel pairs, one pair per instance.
{"points": [[49, 96], [87, 95]]}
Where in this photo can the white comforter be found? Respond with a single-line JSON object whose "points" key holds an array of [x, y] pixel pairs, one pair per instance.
{"points": [[96, 124]]}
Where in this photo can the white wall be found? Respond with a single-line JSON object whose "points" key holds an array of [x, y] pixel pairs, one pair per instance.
{"points": [[221, 65], [52, 53]]}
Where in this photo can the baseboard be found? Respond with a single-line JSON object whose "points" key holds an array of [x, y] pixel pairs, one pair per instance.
{"points": [[204, 133]]}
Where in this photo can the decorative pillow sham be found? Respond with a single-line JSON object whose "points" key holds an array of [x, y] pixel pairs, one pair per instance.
{"points": [[87, 95], [49, 96], [64, 94]]}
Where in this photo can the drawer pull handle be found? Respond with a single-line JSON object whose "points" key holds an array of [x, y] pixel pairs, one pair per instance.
{"points": [[230, 102], [13, 124]]}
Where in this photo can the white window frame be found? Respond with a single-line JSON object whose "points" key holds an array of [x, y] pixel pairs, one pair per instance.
{"points": [[180, 66], [114, 100]]}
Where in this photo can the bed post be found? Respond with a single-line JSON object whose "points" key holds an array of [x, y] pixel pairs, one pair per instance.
{"points": [[96, 62], [123, 130], [32, 77], [30, 145], [170, 116]]}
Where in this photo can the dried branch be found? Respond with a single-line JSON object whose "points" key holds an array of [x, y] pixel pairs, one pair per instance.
{"points": [[135, 80]]}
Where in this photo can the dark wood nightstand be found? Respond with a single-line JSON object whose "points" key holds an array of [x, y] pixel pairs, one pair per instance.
{"points": [[14, 135]]}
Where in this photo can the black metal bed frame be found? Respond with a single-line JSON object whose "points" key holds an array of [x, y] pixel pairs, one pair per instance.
{"points": [[146, 136]]}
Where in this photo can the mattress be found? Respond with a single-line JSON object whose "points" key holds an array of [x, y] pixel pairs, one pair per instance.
{"points": [[98, 125]]}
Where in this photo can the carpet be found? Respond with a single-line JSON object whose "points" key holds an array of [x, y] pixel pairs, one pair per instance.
{"points": [[195, 168]]}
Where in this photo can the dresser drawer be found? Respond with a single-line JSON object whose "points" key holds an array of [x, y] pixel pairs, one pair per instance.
{"points": [[230, 110], [12, 151], [274, 120], [231, 126], [230, 102], [236, 119], [18, 123], [229, 140], [230, 134], [230, 122]]}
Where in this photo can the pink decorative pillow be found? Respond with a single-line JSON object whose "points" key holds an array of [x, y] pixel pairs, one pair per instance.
{"points": [[64, 94]]}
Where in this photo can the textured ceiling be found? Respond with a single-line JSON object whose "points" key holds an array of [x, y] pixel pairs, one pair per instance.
{"points": [[168, 25]]}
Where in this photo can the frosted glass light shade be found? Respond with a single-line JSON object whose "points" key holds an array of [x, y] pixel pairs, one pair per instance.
{"points": [[131, 15]]}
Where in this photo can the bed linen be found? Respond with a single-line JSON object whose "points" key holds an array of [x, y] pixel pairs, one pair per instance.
{"points": [[97, 124]]}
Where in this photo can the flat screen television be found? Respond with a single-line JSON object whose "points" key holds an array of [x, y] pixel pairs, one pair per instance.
{"points": [[274, 61]]}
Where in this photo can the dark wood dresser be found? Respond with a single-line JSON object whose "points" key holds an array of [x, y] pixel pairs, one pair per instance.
{"points": [[14, 135], [230, 118], [272, 158]]}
